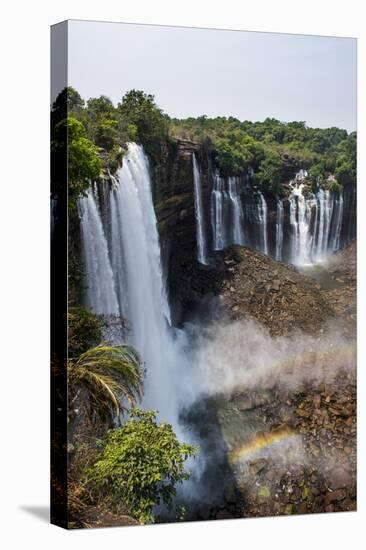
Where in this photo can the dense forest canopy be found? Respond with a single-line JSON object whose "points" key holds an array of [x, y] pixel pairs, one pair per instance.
{"points": [[274, 150]]}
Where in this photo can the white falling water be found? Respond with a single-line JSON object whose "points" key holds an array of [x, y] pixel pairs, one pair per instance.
{"points": [[279, 230], [323, 226], [328, 211], [262, 216], [100, 292], [315, 221], [338, 226], [217, 213], [320, 224], [300, 219], [226, 212], [136, 248], [200, 220], [293, 224], [237, 211], [301, 175]]}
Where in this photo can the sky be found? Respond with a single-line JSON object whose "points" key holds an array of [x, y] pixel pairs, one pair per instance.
{"points": [[193, 72]]}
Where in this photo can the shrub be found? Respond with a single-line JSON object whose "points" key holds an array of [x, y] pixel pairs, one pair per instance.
{"points": [[140, 465]]}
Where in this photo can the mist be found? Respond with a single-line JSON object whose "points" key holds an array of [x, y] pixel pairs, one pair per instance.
{"points": [[243, 355]]}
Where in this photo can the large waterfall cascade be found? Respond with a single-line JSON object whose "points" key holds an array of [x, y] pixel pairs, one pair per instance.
{"points": [[128, 261], [307, 228]]}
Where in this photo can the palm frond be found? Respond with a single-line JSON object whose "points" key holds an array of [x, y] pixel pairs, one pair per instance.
{"points": [[111, 374]]}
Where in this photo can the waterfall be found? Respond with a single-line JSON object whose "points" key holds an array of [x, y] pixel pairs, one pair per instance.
{"points": [[237, 211], [137, 264], [124, 277], [100, 285], [217, 213], [338, 223], [325, 207], [313, 226], [328, 210], [200, 221], [227, 215], [262, 216], [300, 219], [279, 230]]}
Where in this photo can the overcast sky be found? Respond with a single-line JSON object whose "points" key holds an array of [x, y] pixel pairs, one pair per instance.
{"points": [[193, 72]]}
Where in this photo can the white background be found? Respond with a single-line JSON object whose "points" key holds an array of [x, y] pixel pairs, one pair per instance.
{"points": [[24, 272]]}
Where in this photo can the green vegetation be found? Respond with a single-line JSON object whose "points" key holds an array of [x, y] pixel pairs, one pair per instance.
{"points": [[145, 122], [275, 151], [84, 163], [84, 330], [140, 465]]}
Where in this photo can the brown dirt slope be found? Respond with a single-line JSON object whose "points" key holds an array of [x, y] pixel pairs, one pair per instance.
{"points": [[274, 294]]}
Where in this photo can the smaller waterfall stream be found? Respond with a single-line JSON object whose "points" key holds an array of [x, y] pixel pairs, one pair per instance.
{"points": [[237, 211], [226, 212], [324, 218], [338, 223], [279, 230], [262, 214], [217, 214], [200, 220], [100, 292]]}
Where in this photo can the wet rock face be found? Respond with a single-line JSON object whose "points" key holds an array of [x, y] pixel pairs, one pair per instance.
{"points": [[173, 190]]}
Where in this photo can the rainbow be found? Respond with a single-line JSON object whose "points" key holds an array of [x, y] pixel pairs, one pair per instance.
{"points": [[262, 441]]}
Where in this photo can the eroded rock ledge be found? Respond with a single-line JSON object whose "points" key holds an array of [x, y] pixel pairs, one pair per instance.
{"points": [[247, 284]]}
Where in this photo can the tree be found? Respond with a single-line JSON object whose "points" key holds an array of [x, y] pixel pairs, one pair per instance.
{"points": [[236, 151], [140, 109], [83, 160], [344, 172], [68, 99], [110, 376], [101, 106], [269, 173], [140, 465]]}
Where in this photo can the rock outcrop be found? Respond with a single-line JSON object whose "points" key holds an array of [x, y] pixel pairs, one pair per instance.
{"points": [[242, 284]]}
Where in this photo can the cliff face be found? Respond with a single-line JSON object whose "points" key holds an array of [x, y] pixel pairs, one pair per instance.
{"points": [[191, 284], [173, 192], [172, 175]]}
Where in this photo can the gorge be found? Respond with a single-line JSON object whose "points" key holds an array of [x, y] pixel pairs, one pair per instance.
{"points": [[123, 254], [220, 255]]}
